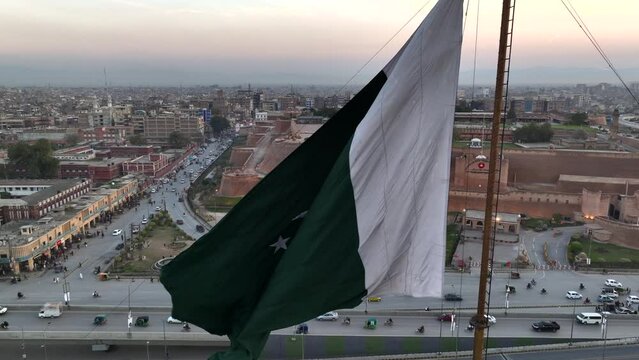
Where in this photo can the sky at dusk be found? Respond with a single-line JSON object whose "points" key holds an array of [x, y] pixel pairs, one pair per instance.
{"points": [[164, 42]]}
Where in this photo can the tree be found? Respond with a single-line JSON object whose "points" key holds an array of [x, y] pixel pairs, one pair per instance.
{"points": [[32, 161], [178, 140], [72, 139], [533, 133], [578, 119], [219, 124], [137, 139]]}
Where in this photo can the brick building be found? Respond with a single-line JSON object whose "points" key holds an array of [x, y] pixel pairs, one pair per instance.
{"points": [[32, 199]]}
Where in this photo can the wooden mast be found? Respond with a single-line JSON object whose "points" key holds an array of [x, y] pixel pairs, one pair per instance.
{"points": [[479, 320]]}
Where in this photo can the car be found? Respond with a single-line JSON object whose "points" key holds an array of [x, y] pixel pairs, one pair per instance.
{"points": [[624, 310], [491, 319], [610, 292], [172, 320], [3, 309], [157, 208], [374, 299], [452, 297], [633, 299], [117, 232], [613, 283], [199, 228], [145, 220], [445, 317], [179, 221], [329, 316], [153, 190], [546, 326], [119, 246], [605, 298], [173, 190], [573, 295]]}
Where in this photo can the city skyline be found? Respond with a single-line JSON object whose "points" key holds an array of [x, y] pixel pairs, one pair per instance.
{"points": [[198, 43]]}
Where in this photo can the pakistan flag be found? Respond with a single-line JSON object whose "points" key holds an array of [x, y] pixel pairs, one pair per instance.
{"points": [[358, 209]]}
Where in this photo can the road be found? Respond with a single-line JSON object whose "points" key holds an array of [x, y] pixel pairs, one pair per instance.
{"points": [[557, 243]]}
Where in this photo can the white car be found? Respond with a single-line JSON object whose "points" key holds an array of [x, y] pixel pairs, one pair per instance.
{"points": [[157, 208], [3, 310], [145, 220], [491, 319], [117, 232], [172, 320], [634, 299], [573, 295], [613, 283], [153, 190], [329, 316]]}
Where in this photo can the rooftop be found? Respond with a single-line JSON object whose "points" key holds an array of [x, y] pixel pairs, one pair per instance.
{"points": [[503, 217]]}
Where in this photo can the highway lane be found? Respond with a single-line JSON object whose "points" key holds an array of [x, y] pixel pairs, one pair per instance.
{"points": [[145, 293], [520, 326]]}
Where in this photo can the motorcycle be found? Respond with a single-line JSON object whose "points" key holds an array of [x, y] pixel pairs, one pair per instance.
{"points": [[4, 325], [581, 286], [420, 330], [388, 322], [95, 294], [186, 327], [470, 327], [20, 295], [533, 282], [529, 286], [544, 292], [346, 321], [587, 301]]}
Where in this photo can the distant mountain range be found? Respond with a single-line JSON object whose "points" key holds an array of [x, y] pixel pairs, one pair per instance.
{"points": [[20, 75]]}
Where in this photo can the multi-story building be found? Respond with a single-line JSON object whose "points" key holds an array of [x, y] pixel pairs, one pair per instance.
{"points": [[157, 129], [32, 199], [27, 244], [99, 171], [149, 165]]}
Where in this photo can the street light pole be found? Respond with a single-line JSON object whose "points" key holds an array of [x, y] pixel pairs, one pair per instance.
{"points": [[44, 345], [147, 351]]}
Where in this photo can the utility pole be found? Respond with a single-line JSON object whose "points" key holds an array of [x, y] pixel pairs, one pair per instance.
{"points": [[479, 320]]}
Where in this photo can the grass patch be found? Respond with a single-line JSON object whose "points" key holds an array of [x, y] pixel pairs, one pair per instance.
{"points": [[293, 347], [523, 342], [374, 345], [452, 239], [158, 239], [335, 346], [221, 203], [587, 129], [412, 345], [448, 344], [534, 223], [608, 255]]}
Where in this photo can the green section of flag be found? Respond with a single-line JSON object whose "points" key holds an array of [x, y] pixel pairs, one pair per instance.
{"points": [[253, 272]]}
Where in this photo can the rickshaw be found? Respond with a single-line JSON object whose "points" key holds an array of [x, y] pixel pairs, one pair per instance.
{"points": [[100, 319], [103, 276], [510, 289], [370, 324], [142, 321], [514, 275], [302, 329]]}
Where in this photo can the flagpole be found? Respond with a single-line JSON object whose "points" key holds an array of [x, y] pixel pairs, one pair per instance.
{"points": [[479, 320]]}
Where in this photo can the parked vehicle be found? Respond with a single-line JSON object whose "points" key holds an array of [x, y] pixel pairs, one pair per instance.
{"points": [[546, 326], [199, 228]]}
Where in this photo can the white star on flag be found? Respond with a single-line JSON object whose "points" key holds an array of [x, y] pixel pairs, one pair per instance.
{"points": [[280, 243]]}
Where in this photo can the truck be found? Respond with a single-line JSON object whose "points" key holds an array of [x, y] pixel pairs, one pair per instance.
{"points": [[50, 310]]}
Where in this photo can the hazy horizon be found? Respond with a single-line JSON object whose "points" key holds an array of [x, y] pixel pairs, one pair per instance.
{"points": [[195, 42]]}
